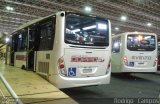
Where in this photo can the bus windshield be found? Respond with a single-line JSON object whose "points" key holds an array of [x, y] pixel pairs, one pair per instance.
{"points": [[140, 42], [86, 30]]}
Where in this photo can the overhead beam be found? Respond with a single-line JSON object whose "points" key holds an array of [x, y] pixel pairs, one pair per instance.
{"points": [[17, 22], [132, 10], [29, 5], [61, 5], [3, 27], [18, 19], [5, 24], [99, 13], [17, 13]]}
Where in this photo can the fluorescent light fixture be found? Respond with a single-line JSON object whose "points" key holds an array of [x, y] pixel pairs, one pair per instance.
{"points": [[20, 36], [123, 18], [9, 8], [149, 24], [6, 33], [140, 37], [102, 26], [116, 28], [7, 39], [116, 44], [158, 43], [72, 27], [89, 27], [76, 30], [88, 9], [147, 37]]}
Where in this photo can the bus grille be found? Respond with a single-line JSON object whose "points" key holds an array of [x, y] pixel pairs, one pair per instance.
{"points": [[43, 67]]}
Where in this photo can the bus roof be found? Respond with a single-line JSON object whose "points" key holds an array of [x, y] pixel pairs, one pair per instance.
{"points": [[132, 33], [42, 18], [32, 22]]}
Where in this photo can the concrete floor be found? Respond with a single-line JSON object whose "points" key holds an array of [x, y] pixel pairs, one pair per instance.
{"points": [[31, 88], [133, 87]]}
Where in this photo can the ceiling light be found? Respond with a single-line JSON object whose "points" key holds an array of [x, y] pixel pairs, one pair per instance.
{"points": [[102, 26], [89, 27], [6, 33], [116, 28], [7, 39], [149, 24], [88, 9], [9, 8], [123, 18]]}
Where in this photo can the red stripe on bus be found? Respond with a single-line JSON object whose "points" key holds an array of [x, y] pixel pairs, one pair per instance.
{"points": [[21, 57]]}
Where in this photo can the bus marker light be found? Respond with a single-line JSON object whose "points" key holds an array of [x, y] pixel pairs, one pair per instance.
{"points": [[125, 60], [62, 66]]}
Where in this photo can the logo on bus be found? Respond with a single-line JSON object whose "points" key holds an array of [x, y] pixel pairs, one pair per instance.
{"points": [[86, 59], [71, 72], [141, 57]]}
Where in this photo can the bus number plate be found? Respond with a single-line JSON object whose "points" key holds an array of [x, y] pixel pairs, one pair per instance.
{"points": [[87, 70]]}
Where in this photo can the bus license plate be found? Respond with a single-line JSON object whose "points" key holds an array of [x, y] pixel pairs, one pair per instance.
{"points": [[87, 70]]}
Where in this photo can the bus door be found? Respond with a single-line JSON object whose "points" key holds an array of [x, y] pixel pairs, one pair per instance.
{"points": [[31, 49]]}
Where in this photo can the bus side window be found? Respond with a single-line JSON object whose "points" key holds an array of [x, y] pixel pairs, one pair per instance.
{"points": [[14, 43], [20, 41], [47, 34]]}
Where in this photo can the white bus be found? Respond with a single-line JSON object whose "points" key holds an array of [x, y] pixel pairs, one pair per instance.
{"points": [[69, 49], [134, 52]]}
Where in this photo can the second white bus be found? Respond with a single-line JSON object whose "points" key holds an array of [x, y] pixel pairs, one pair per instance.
{"points": [[134, 52]]}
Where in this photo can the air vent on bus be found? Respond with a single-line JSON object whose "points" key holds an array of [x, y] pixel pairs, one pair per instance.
{"points": [[43, 67]]}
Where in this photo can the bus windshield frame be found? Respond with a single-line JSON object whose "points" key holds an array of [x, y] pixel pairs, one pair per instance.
{"points": [[86, 30], [141, 42]]}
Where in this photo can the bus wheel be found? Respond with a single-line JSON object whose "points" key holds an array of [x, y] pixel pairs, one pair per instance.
{"points": [[23, 67]]}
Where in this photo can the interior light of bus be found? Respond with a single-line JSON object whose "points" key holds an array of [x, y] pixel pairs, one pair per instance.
{"points": [[76, 30], [89, 27], [62, 66], [125, 60], [155, 62], [116, 44], [140, 37], [102, 26]]}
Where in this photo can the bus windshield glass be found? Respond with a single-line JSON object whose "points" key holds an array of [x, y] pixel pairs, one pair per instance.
{"points": [[86, 30], [141, 42]]}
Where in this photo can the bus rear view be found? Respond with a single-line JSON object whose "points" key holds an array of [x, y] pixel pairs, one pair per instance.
{"points": [[138, 53], [141, 53], [86, 52]]}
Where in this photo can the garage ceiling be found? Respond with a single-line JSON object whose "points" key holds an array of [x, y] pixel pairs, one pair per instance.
{"points": [[138, 12]]}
